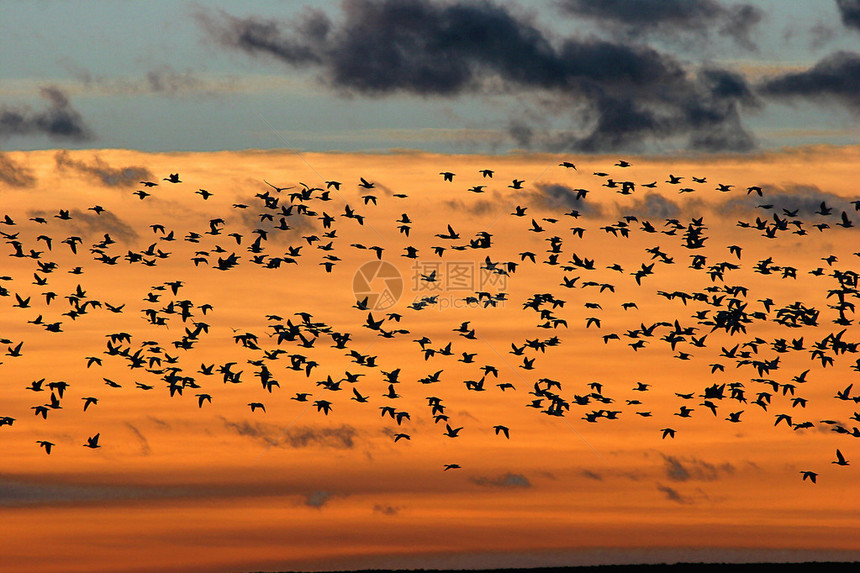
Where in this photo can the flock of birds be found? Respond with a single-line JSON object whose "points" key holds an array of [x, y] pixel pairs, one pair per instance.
{"points": [[285, 358]]}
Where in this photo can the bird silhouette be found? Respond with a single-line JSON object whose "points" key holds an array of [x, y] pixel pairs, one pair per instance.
{"points": [[840, 459]]}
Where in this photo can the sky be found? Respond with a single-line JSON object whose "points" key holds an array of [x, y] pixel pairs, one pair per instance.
{"points": [[453, 77], [672, 378]]}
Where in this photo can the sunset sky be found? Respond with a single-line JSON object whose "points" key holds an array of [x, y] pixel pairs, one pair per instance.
{"points": [[243, 99]]}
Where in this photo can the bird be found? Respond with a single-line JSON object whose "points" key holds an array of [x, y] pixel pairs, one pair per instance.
{"points": [[92, 442], [451, 432], [840, 459], [46, 444]]}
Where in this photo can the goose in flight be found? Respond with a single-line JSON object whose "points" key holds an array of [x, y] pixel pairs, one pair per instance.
{"points": [[46, 444], [92, 442], [840, 459], [451, 432]]}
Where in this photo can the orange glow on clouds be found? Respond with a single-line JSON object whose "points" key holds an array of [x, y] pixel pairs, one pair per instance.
{"points": [[182, 487]]}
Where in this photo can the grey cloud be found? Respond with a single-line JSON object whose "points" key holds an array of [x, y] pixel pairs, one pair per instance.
{"points": [[317, 498], [163, 80], [159, 422], [478, 207], [835, 78], [59, 121], [557, 196], [695, 17], [849, 10], [653, 206], [508, 480], [14, 174], [88, 222], [805, 199], [341, 437], [385, 509], [107, 175], [14, 493], [299, 224], [694, 469], [144, 443], [673, 494], [168, 81], [446, 49]]}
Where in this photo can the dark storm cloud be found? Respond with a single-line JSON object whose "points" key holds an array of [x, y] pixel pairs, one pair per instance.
{"points": [[834, 78], [697, 17], [705, 108], [59, 121], [14, 174], [446, 49], [849, 10], [107, 175]]}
